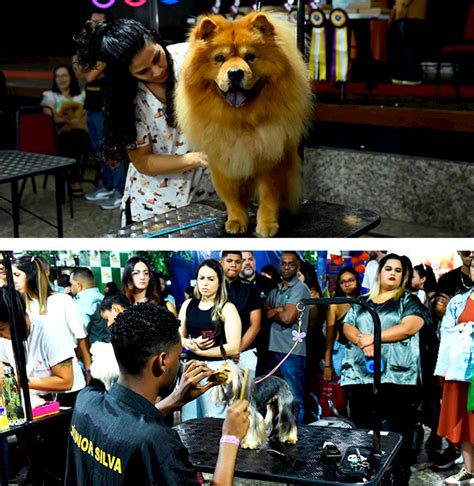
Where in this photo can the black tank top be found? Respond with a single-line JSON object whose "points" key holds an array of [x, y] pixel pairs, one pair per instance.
{"points": [[198, 320]]}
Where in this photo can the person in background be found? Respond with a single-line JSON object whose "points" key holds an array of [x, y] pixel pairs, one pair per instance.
{"points": [[104, 367], [263, 286], [165, 294], [456, 424], [402, 316], [113, 178], [110, 288], [63, 284], [3, 275], [459, 280], [189, 292], [125, 421], [49, 353], [210, 330], [347, 285], [407, 41], [139, 79], [245, 298], [372, 267], [270, 272], [66, 100], [55, 311], [424, 283], [87, 299], [283, 315]]}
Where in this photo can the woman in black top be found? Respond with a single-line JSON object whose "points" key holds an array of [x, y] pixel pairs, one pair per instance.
{"points": [[210, 329]]}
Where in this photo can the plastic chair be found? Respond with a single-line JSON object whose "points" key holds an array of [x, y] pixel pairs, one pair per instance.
{"points": [[456, 53], [36, 132]]}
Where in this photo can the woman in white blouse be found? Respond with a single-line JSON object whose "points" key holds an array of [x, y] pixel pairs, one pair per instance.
{"points": [[140, 77]]}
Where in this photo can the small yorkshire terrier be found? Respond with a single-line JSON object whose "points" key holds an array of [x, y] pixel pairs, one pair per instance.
{"points": [[272, 398]]}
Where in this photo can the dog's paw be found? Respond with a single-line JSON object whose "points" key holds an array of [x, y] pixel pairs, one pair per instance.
{"points": [[235, 227], [290, 440], [249, 445], [266, 230]]}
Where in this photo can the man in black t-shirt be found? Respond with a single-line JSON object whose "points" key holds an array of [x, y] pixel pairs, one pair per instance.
{"points": [[119, 437], [457, 281], [245, 298]]}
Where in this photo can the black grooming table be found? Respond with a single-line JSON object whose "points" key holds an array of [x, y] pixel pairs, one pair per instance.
{"points": [[16, 165], [302, 463], [315, 219]]}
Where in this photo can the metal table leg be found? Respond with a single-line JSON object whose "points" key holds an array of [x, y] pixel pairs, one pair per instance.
{"points": [[15, 208], [59, 205]]}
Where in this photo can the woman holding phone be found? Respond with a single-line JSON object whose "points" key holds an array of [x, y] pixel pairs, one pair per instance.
{"points": [[210, 330]]}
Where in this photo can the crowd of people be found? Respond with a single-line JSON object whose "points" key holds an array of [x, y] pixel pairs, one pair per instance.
{"points": [[78, 338]]}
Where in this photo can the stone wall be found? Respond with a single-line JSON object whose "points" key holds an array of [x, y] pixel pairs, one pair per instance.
{"points": [[430, 192]]}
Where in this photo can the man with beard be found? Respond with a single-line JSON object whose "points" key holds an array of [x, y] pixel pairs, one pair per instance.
{"points": [[244, 296], [458, 280], [282, 313], [263, 286]]}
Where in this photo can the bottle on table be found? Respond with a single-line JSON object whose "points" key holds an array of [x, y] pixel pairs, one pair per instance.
{"points": [[12, 398]]}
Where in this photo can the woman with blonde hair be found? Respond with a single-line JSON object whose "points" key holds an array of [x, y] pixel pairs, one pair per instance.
{"points": [[402, 316], [52, 310], [210, 330]]}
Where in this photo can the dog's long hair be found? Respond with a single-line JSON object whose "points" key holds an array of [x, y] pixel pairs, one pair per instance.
{"points": [[272, 399]]}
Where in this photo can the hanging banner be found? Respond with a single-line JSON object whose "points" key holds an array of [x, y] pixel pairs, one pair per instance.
{"points": [[340, 48], [317, 55]]}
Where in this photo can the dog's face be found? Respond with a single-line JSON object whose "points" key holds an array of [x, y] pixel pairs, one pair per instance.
{"points": [[238, 58]]}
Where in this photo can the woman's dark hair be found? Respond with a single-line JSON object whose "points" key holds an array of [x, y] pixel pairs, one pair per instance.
{"points": [[338, 292], [111, 288], [114, 299], [425, 271], [152, 293], [74, 87], [6, 310], [6, 304], [116, 44], [310, 277], [63, 281], [272, 271], [189, 290]]}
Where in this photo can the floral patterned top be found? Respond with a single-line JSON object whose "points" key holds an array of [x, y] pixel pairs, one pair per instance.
{"points": [[150, 195]]}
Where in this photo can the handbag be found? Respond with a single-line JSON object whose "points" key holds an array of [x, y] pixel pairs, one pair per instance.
{"points": [[332, 399], [455, 353]]}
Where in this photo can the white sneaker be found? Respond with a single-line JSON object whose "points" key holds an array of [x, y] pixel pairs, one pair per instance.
{"points": [[462, 478], [113, 202], [99, 195]]}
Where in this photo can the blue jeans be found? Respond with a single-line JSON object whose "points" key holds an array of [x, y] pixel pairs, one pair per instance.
{"points": [[111, 178], [293, 372]]}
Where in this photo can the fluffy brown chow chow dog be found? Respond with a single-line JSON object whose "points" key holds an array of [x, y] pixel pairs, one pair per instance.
{"points": [[244, 98]]}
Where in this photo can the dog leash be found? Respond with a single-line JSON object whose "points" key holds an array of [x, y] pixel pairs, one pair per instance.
{"points": [[298, 337]]}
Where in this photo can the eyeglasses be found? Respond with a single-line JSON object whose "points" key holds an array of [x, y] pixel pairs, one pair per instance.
{"points": [[347, 282]]}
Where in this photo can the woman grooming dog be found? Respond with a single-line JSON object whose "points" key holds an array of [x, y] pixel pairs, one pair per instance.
{"points": [[139, 80], [210, 330]]}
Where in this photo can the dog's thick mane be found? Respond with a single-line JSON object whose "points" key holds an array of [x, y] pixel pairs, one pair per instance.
{"points": [[264, 130]]}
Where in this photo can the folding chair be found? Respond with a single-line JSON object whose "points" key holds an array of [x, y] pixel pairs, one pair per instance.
{"points": [[36, 132]]}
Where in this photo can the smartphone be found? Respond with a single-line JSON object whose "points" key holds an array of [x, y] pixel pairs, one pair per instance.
{"points": [[207, 334]]}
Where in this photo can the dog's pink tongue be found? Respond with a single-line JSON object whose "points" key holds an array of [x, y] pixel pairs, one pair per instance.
{"points": [[236, 99]]}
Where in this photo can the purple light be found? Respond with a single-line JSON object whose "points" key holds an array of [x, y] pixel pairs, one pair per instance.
{"points": [[107, 4]]}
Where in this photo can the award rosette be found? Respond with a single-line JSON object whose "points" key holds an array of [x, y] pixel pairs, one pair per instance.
{"points": [[340, 49], [317, 55]]}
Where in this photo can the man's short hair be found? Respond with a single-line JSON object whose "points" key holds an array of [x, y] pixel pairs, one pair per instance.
{"points": [[83, 275], [294, 253], [232, 252], [140, 332]]}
